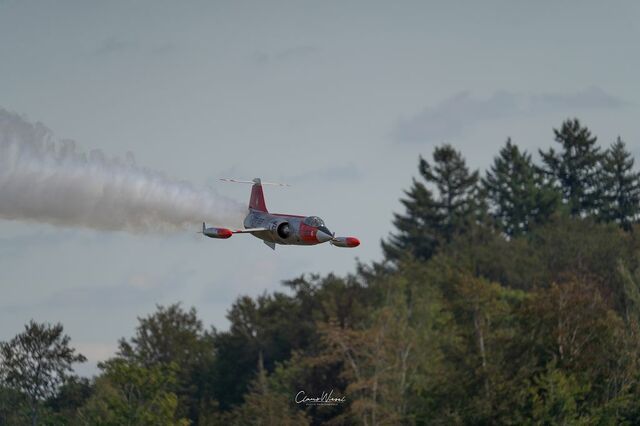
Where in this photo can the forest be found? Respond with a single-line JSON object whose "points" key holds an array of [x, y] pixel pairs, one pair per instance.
{"points": [[507, 296]]}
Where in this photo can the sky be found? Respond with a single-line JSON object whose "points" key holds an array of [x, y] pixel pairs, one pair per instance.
{"points": [[336, 98]]}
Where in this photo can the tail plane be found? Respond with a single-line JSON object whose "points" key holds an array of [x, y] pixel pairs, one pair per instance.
{"points": [[256, 201]]}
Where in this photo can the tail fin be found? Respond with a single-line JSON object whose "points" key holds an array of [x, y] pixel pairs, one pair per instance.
{"points": [[256, 201]]}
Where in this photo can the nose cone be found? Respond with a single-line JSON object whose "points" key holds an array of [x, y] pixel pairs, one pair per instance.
{"points": [[323, 236], [353, 242]]}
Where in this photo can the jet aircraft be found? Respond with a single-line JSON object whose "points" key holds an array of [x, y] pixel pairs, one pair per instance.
{"points": [[276, 228]]}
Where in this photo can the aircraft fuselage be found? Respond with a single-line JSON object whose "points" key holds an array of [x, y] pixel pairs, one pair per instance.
{"points": [[288, 229]]}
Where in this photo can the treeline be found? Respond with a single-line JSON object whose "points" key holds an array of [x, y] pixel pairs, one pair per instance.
{"points": [[507, 298]]}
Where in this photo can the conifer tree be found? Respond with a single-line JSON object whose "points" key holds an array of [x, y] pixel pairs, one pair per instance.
{"points": [[457, 187], [430, 221], [517, 191], [575, 168], [620, 186], [416, 228]]}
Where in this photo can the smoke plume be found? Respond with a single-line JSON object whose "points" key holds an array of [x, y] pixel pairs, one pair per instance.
{"points": [[51, 181]]}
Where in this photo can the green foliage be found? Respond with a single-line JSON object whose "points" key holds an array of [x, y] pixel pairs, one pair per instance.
{"points": [[416, 228], [36, 362], [271, 325], [13, 407], [575, 169], [620, 187], [129, 393], [456, 187], [263, 406], [517, 191], [62, 408], [555, 399], [276, 325], [429, 221], [170, 334], [175, 336]]}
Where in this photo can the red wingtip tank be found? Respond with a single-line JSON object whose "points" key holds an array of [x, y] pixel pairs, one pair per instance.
{"points": [[216, 232], [348, 242]]}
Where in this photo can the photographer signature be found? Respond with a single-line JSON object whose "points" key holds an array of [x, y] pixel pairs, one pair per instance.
{"points": [[324, 399]]}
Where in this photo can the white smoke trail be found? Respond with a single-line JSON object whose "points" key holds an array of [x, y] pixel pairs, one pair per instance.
{"points": [[52, 181]]}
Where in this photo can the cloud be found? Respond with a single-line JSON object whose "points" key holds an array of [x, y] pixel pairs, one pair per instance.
{"points": [[457, 114], [592, 97]]}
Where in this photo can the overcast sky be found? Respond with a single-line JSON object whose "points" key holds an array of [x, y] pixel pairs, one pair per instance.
{"points": [[337, 98]]}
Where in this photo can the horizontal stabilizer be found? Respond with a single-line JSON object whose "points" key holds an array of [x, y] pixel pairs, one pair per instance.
{"points": [[255, 181]]}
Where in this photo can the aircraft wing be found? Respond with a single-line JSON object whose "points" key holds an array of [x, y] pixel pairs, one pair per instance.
{"points": [[248, 230]]}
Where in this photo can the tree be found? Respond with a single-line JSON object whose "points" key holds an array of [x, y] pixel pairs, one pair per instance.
{"points": [[575, 169], [428, 221], [457, 188], [13, 405], [484, 314], [416, 231], [569, 326], [36, 362], [72, 395], [129, 393], [554, 398], [264, 407], [391, 361], [173, 335], [517, 191], [620, 187]]}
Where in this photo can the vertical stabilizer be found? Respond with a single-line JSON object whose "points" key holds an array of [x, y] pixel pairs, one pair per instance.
{"points": [[256, 202]]}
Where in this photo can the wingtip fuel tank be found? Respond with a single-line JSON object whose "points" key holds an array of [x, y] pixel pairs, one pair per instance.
{"points": [[348, 242], [216, 232]]}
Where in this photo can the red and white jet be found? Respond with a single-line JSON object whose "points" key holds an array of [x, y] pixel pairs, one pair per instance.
{"points": [[275, 228]]}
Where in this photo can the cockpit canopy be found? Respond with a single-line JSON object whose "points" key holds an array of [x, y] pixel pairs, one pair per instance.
{"points": [[313, 221]]}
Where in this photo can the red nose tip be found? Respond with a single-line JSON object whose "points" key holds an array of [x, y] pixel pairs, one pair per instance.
{"points": [[353, 242], [225, 233]]}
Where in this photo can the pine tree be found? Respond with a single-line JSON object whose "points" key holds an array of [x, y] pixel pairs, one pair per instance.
{"points": [[429, 221], [575, 169], [517, 191], [620, 186], [416, 232], [457, 188]]}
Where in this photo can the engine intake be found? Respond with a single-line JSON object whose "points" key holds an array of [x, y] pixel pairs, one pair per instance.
{"points": [[283, 230]]}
